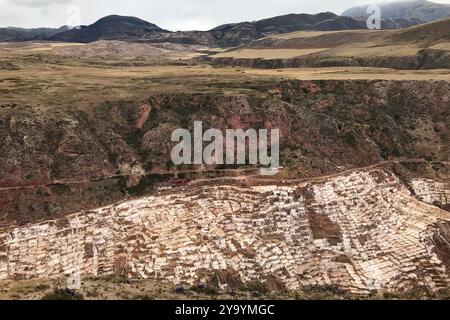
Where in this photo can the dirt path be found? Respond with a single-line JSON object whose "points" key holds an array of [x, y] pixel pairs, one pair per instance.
{"points": [[235, 175], [309, 179], [81, 181]]}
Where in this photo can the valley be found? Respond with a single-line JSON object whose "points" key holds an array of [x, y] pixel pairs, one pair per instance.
{"points": [[360, 207], [420, 47]]}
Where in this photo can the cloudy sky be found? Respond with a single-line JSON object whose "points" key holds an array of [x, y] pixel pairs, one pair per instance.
{"points": [[169, 14]]}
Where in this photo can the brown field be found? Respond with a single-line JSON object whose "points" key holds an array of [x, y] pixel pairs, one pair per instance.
{"points": [[118, 288], [349, 44], [68, 84], [118, 50], [44, 76], [267, 53], [309, 34]]}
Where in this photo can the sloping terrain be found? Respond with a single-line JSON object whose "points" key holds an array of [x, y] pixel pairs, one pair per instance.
{"points": [[21, 34], [231, 35], [421, 47], [417, 9], [360, 232], [83, 132], [137, 30], [59, 158], [119, 51], [361, 204], [112, 27]]}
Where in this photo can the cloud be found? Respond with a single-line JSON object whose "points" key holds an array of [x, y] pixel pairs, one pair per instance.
{"points": [[168, 14], [38, 3]]}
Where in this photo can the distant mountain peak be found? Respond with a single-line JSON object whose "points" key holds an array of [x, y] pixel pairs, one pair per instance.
{"points": [[127, 28], [116, 21], [423, 10], [112, 27], [121, 19]]}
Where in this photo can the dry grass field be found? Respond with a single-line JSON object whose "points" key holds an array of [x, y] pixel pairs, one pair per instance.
{"points": [[309, 34], [43, 75], [358, 47], [267, 53], [117, 288]]}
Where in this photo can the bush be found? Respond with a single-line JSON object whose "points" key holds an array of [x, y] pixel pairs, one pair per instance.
{"points": [[144, 297], [42, 287], [325, 292], [209, 289], [63, 295], [257, 287]]}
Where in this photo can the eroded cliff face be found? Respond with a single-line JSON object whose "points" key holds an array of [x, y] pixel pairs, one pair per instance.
{"points": [[425, 59], [361, 231], [60, 161]]}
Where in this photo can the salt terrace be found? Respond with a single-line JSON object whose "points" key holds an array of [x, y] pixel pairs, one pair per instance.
{"points": [[361, 231]]}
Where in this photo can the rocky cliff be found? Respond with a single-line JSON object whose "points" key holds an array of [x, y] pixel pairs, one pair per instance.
{"points": [[54, 163]]}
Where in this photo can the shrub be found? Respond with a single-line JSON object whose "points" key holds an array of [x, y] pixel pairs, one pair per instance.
{"points": [[62, 295], [257, 287], [207, 289]]}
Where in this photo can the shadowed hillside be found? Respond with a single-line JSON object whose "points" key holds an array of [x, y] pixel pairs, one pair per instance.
{"points": [[116, 27], [425, 46], [418, 9], [110, 28]]}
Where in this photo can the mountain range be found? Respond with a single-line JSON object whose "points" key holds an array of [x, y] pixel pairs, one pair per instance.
{"points": [[417, 9], [425, 46], [22, 34], [115, 27]]}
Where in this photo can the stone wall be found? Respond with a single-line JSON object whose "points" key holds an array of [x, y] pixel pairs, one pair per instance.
{"points": [[361, 231]]}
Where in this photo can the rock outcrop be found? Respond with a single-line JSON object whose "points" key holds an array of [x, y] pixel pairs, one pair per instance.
{"points": [[413, 9]]}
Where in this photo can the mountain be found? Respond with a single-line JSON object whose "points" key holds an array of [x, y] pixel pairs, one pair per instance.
{"points": [[419, 47], [22, 34], [124, 28], [228, 35], [240, 33], [418, 9], [432, 33], [112, 27]]}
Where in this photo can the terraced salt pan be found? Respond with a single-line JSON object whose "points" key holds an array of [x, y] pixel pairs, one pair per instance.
{"points": [[361, 231], [431, 192]]}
